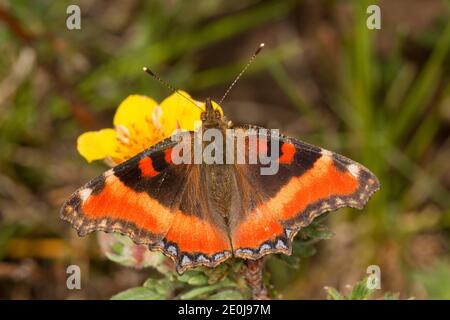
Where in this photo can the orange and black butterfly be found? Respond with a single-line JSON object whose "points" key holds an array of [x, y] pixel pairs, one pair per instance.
{"points": [[201, 214]]}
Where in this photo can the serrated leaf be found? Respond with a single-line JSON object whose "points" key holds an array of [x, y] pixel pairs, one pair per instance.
{"points": [[360, 291], [323, 234]]}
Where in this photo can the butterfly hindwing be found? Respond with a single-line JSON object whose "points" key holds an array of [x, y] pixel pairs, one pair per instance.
{"points": [[197, 235]]}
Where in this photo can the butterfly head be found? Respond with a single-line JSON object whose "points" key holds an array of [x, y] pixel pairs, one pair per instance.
{"points": [[211, 117]]}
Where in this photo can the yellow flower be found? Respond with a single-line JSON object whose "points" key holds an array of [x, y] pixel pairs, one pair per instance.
{"points": [[139, 123]]}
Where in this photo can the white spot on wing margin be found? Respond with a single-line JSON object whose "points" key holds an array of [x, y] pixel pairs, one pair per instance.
{"points": [[108, 173], [85, 193], [354, 169], [326, 153]]}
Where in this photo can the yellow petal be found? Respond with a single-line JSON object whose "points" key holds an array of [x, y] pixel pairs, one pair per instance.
{"points": [[177, 112], [135, 113], [96, 145], [216, 107]]}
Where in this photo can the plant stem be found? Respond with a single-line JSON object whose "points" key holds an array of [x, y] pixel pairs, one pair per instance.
{"points": [[254, 278]]}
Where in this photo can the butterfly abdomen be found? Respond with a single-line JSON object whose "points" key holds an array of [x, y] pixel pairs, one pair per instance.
{"points": [[220, 184]]}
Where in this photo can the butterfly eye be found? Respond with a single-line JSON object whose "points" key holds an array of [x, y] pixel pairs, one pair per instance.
{"points": [[203, 116], [217, 114]]}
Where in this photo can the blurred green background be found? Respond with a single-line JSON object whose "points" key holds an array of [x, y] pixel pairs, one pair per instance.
{"points": [[381, 97]]}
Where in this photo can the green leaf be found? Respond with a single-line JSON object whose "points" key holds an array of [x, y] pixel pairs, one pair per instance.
{"points": [[361, 291], [317, 231], [193, 278], [303, 250], [333, 294], [292, 261], [198, 280], [138, 293], [163, 286], [199, 292]]}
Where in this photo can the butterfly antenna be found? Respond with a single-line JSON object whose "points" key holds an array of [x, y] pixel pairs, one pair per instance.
{"points": [[258, 50], [154, 75]]}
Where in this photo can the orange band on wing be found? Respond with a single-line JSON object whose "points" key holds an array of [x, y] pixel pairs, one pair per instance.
{"points": [[117, 201], [322, 181], [257, 228], [192, 234]]}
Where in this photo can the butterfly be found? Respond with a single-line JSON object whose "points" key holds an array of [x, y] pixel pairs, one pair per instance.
{"points": [[201, 214]]}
